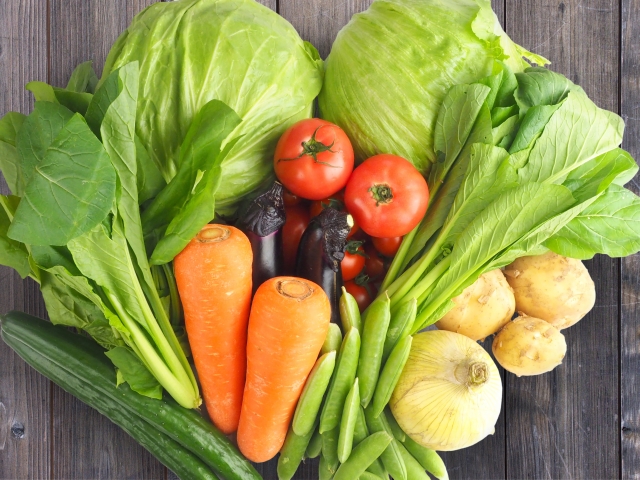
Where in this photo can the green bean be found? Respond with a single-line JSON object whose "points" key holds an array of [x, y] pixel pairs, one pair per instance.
{"points": [[376, 323], [391, 374], [400, 326], [330, 448], [429, 459], [360, 432], [341, 381], [391, 457], [348, 422], [333, 339], [349, 311], [292, 453], [414, 469], [363, 456], [324, 472], [315, 445], [398, 433], [312, 393]]}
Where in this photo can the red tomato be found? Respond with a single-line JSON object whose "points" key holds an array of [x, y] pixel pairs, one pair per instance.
{"points": [[361, 293], [387, 246], [314, 159], [353, 261], [375, 266], [294, 227], [387, 196], [290, 199]]}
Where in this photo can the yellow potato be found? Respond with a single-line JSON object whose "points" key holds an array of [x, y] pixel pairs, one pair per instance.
{"points": [[529, 346], [552, 287], [482, 308]]}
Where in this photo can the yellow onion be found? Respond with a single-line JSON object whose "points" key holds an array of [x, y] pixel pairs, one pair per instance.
{"points": [[449, 393]]}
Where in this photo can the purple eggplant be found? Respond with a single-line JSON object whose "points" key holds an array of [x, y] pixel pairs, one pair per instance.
{"points": [[262, 223], [320, 252]]}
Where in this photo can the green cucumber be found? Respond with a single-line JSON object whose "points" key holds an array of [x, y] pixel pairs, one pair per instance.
{"points": [[79, 366]]}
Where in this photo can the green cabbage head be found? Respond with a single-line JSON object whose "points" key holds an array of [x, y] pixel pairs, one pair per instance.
{"points": [[236, 51], [390, 67]]}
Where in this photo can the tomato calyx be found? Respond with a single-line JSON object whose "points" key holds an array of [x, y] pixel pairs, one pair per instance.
{"points": [[381, 193], [312, 148], [354, 248]]}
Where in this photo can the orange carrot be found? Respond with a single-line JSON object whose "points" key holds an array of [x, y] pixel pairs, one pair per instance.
{"points": [[288, 324], [213, 274]]}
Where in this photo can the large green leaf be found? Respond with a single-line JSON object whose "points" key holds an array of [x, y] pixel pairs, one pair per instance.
{"points": [[71, 190], [577, 132], [540, 86], [610, 225], [201, 149], [10, 124], [38, 132]]}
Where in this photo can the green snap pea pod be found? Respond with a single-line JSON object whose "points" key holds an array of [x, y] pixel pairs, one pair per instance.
{"points": [[374, 331], [324, 472], [400, 326], [429, 459], [391, 457], [349, 311], [330, 449], [312, 393], [363, 456], [292, 453], [315, 445], [333, 339], [360, 432], [415, 471], [368, 476], [391, 374], [343, 376], [348, 422], [398, 433]]}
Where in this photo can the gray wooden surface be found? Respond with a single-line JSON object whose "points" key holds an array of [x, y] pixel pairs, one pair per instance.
{"points": [[580, 422]]}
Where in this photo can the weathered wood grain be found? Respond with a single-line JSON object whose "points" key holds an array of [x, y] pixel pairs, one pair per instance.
{"points": [[24, 394], [630, 268], [565, 424], [85, 443]]}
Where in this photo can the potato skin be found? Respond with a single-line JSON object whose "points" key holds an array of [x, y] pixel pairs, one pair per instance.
{"points": [[552, 287], [482, 308], [529, 346]]}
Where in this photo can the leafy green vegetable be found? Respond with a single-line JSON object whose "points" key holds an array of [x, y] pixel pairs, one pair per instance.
{"points": [[71, 189], [133, 371], [236, 51], [10, 124], [391, 67], [12, 254]]}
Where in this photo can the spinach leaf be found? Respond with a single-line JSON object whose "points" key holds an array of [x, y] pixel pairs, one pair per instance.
{"points": [[577, 132], [71, 190], [532, 126], [12, 254], [134, 372], [148, 177], [10, 124], [38, 132], [77, 102], [616, 166], [610, 225], [43, 92], [83, 79]]}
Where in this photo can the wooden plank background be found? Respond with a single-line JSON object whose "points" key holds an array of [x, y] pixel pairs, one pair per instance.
{"points": [[582, 421]]}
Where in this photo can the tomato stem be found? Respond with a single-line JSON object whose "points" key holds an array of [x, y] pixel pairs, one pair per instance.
{"points": [[381, 193], [312, 148]]}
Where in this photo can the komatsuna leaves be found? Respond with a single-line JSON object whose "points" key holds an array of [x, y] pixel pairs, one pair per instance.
{"points": [[541, 86], [610, 225], [576, 133], [71, 190], [83, 79], [133, 371], [616, 166], [10, 124]]}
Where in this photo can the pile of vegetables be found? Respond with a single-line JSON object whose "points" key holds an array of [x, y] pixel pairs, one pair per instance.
{"points": [[457, 188]]}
